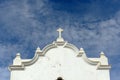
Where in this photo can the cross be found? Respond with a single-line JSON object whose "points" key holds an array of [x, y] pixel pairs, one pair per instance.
{"points": [[60, 31]]}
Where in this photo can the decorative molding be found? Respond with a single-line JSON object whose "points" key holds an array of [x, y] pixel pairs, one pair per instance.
{"points": [[92, 62], [71, 46], [55, 44], [103, 67], [32, 61], [81, 52], [16, 67], [48, 47]]}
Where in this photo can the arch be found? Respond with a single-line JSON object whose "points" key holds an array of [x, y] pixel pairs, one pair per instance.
{"points": [[55, 44], [59, 78]]}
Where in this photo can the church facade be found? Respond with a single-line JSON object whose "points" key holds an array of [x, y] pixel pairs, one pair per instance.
{"points": [[60, 60]]}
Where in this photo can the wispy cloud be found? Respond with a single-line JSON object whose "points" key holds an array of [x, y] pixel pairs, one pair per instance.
{"points": [[26, 24]]}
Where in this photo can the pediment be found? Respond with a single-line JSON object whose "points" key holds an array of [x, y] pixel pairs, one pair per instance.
{"points": [[60, 48]]}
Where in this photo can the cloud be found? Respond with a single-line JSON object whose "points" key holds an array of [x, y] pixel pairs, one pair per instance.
{"points": [[26, 24], [33, 23]]}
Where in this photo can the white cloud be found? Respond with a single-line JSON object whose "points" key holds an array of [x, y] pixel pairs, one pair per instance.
{"points": [[100, 36], [21, 20], [35, 25]]}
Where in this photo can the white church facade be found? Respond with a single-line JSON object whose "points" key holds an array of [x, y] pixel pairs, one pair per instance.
{"points": [[60, 60]]}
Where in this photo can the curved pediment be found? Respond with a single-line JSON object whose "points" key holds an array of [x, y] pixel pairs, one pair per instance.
{"points": [[20, 64], [55, 45]]}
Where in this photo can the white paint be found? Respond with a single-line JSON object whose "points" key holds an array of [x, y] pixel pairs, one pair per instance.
{"points": [[60, 59], [60, 62]]}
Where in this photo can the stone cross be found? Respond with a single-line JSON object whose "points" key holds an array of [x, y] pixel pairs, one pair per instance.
{"points": [[60, 31]]}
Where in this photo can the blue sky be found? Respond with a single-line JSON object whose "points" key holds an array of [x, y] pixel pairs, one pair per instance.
{"points": [[91, 24]]}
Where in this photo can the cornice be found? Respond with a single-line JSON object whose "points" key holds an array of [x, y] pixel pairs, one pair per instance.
{"points": [[80, 53], [103, 67]]}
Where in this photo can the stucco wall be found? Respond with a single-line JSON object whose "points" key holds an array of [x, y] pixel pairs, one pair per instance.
{"points": [[60, 62]]}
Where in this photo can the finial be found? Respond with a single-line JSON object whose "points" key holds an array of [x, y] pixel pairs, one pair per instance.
{"points": [[102, 54], [81, 52], [17, 60], [18, 54], [38, 49], [103, 59], [60, 30]]}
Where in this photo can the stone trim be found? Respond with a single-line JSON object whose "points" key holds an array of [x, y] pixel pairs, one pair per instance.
{"points": [[55, 44], [103, 67]]}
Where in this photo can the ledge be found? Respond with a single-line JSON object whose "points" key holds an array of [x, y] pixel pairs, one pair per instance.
{"points": [[16, 67], [55, 44], [103, 67]]}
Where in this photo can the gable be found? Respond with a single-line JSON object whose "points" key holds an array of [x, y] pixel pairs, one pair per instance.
{"points": [[60, 59]]}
